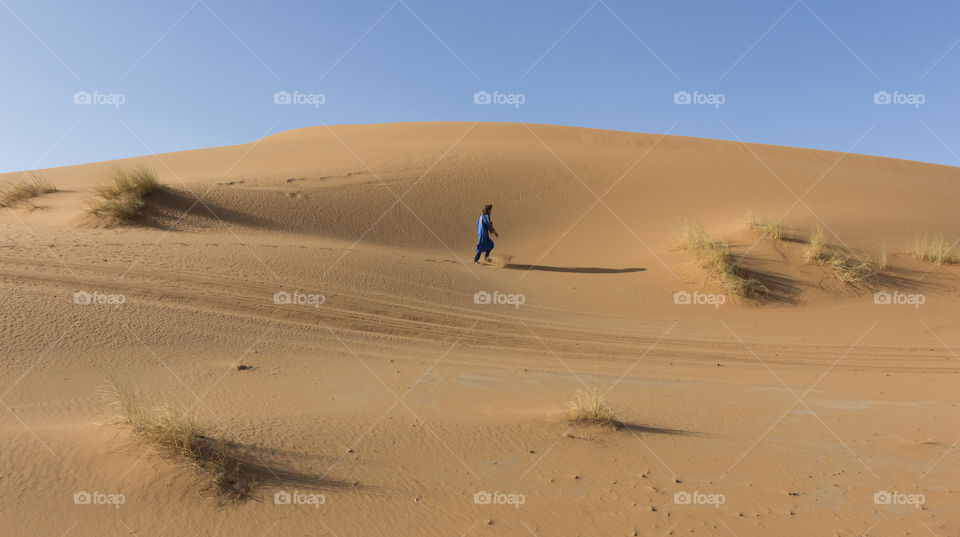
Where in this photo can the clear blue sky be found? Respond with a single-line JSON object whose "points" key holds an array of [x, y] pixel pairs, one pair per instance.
{"points": [[204, 73]]}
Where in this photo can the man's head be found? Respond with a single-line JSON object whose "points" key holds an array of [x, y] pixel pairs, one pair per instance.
{"points": [[487, 209]]}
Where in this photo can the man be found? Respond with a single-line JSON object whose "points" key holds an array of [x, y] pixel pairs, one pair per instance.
{"points": [[484, 229]]}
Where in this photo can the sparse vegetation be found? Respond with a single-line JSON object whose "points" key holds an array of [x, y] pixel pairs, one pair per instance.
{"points": [[174, 433], [692, 236], [25, 188], [816, 245], [121, 198], [936, 248], [773, 230], [845, 266], [850, 270], [591, 407], [715, 257]]}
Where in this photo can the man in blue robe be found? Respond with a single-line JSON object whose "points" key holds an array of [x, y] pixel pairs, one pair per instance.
{"points": [[484, 229]]}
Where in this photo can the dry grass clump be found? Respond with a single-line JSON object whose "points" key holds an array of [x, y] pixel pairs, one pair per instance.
{"points": [[176, 436], [773, 230], [715, 257], [720, 263], [692, 236], [119, 210], [120, 199], [816, 246], [25, 188], [139, 181], [844, 266], [936, 248], [850, 270], [591, 407]]}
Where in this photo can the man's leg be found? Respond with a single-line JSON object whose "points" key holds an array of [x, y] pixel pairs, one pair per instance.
{"points": [[486, 255], [476, 257]]}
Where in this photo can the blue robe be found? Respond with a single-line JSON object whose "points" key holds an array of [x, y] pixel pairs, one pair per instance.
{"points": [[484, 244]]}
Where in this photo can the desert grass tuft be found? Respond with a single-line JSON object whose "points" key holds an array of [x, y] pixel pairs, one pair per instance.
{"points": [[767, 228], [139, 181], [175, 434], [715, 257], [816, 246], [846, 267], [118, 210], [25, 188], [690, 235], [850, 270], [591, 407], [120, 199], [935, 248]]}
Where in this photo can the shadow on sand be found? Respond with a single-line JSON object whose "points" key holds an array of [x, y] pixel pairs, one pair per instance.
{"points": [[578, 270], [779, 288], [784, 289], [648, 429], [167, 209], [271, 470]]}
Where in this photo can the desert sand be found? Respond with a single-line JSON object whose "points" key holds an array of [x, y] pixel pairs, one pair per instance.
{"points": [[388, 407]]}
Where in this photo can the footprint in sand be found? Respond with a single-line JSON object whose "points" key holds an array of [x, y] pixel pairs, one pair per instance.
{"points": [[498, 261]]}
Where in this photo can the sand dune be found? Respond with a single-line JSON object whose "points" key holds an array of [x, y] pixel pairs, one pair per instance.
{"points": [[400, 397]]}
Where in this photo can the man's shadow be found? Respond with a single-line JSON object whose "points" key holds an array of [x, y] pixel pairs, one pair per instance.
{"points": [[579, 270]]}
